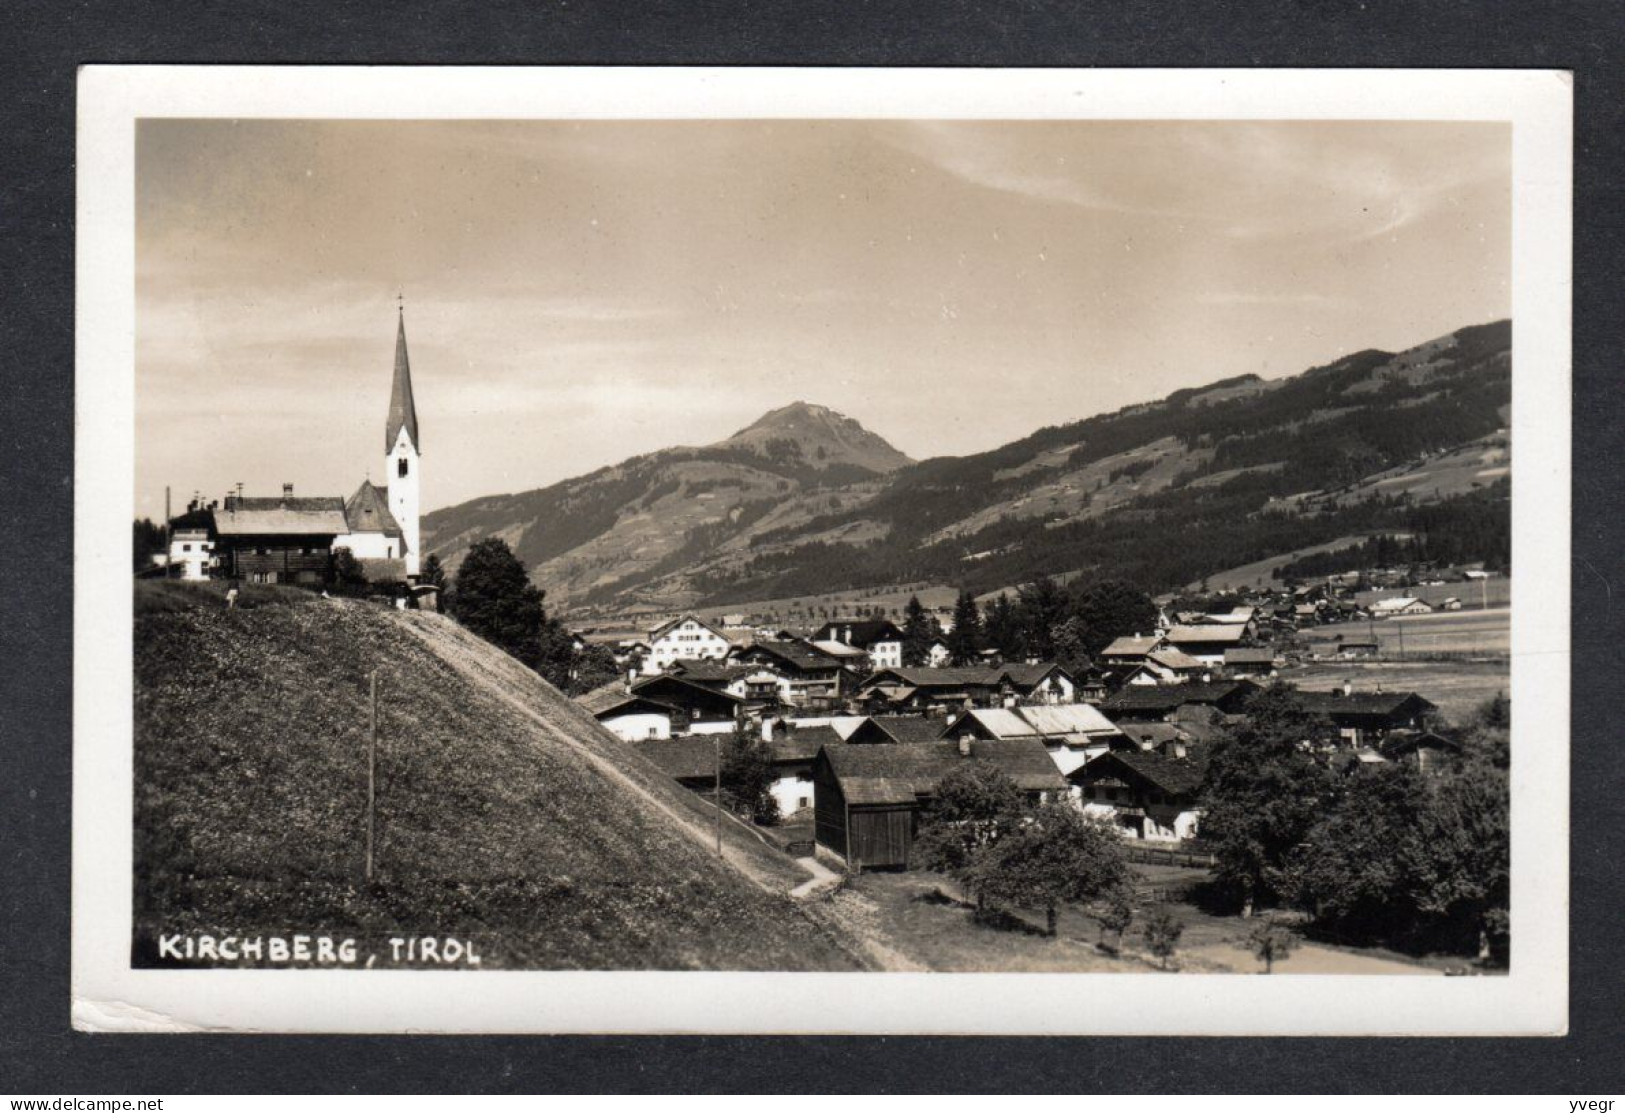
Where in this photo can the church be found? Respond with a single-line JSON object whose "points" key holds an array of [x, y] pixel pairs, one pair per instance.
{"points": [[293, 539]]}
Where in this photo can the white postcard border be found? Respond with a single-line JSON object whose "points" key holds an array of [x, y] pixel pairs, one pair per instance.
{"points": [[110, 996]]}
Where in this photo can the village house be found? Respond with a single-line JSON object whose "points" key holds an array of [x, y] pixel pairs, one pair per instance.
{"points": [[920, 689], [1429, 751], [692, 763], [868, 799], [892, 729], [1252, 662], [1071, 734], [812, 679], [1129, 652], [1148, 794], [662, 707], [1400, 605], [686, 637], [192, 542], [1163, 702], [879, 638], [1167, 665], [1365, 718], [1207, 642]]}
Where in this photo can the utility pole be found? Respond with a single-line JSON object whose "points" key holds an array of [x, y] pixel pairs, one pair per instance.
{"points": [[168, 545], [372, 761]]}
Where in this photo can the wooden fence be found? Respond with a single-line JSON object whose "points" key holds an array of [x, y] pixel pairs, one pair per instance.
{"points": [[1174, 854]]}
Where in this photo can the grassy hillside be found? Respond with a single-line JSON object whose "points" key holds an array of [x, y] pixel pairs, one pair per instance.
{"points": [[505, 813]]}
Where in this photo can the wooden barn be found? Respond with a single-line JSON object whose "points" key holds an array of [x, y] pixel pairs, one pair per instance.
{"points": [[867, 799]]}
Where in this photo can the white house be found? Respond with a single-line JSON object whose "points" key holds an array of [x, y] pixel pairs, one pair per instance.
{"points": [[1399, 605], [881, 639], [682, 638]]}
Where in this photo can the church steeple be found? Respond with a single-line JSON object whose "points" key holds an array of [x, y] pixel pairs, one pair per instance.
{"points": [[402, 412]]}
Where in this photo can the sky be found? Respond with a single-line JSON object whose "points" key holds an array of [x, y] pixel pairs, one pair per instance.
{"points": [[579, 292]]}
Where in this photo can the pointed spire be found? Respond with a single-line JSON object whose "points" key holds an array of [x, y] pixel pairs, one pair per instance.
{"points": [[401, 410]]}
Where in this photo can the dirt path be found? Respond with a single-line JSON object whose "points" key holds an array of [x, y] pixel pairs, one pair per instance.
{"points": [[822, 880]]}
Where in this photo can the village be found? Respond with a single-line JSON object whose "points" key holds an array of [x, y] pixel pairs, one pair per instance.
{"points": [[845, 734]]}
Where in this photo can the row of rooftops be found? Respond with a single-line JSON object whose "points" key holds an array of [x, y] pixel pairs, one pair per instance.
{"points": [[365, 511]]}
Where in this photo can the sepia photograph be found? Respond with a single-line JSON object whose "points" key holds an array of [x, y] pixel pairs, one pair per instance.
{"points": [[835, 542]]}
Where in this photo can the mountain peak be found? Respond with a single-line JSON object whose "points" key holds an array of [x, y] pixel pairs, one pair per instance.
{"points": [[825, 437]]}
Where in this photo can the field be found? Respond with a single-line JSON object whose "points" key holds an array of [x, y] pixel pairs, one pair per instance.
{"points": [[925, 924], [1457, 633], [803, 611]]}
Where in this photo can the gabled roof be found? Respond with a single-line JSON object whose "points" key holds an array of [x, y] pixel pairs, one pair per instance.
{"points": [[1065, 719], [1028, 676], [682, 693], [695, 757], [1249, 655], [707, 670], [282, 516], [903, 773], [1132, 646], [367, 511], [803, 743], [682, 618], [402, 410], [798, 655], [929, 678], [1170, 658], [1401, 742], [1166, 697], [864, 632], [895, 729], [1177, 776], [840, 649], [1207, 633], [1362, 703]]}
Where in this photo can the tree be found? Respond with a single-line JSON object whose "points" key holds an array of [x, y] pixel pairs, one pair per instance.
{"points": [[149, 541], [1271, 942], [973, 806], [965, 639], [919, 631], [1043, 605], [594, 667], [747, 777], [1055, 857], [433, 572], [1071, 646], [1162, 930], [1002, 628], [1264, 791], [1113, 609], [349, 577], [493, 597], [1115, 917]]}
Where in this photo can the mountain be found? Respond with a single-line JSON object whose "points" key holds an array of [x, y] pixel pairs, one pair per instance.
{"points": [[504, 812], [1161, 493], [656, 513]]}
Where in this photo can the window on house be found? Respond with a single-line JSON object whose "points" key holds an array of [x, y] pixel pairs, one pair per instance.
{"points": [[804, 802], [400, 467]]}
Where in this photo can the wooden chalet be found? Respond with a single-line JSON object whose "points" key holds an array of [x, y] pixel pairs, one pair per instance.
{"points": [[1146, 793], [1365, 718], [868, 799], [283, 540], [813, 678], [1140, 703]]}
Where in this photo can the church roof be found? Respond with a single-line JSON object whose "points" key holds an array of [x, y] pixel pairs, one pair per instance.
{"points": [[367, 511], [401, 410]]}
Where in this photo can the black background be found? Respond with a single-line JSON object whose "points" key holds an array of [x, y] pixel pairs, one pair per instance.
{"points": [[45, 42]]}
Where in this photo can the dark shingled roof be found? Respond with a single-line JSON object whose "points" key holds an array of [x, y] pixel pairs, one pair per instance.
{"points": [[865, 632], [898, 728], [1166, 697], [708, 670], [1359, 703], [901, 773], [803, 743], [799, 655], [1177, 776], [402, 410], [695, 756], [367, 511]]}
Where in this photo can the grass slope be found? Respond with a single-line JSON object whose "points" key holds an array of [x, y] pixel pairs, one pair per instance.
{"points": [[505, 813]]}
